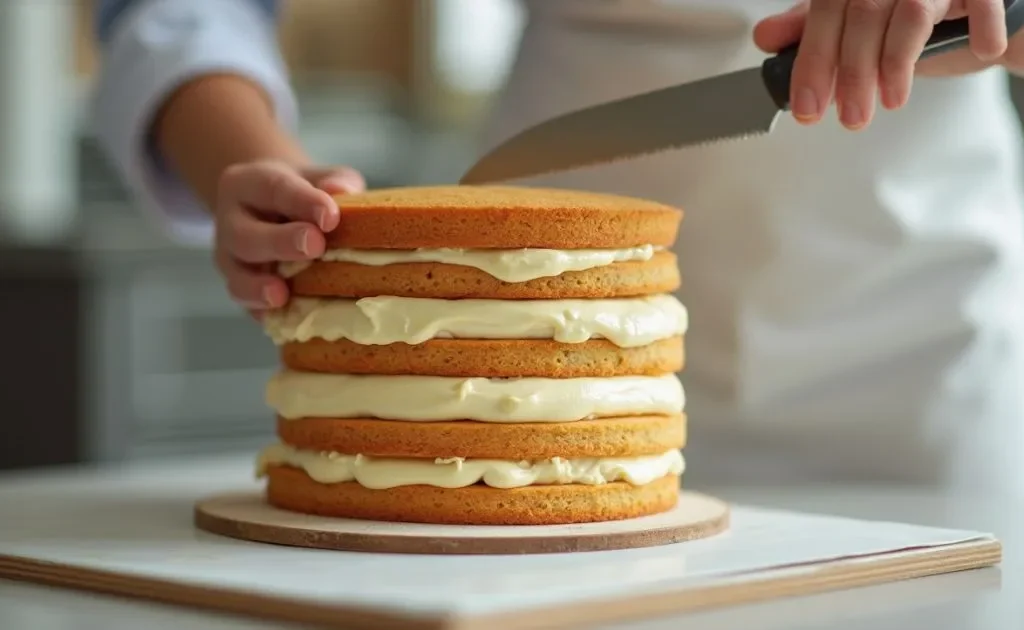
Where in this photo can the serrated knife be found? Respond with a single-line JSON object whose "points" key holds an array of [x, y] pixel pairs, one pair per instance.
{"points": [[731, 106]]}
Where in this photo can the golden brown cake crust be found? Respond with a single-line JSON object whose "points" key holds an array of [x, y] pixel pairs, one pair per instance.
{"points": [[609, 437], [660, 274], [500, 217], [291, 489], [501, 358]]}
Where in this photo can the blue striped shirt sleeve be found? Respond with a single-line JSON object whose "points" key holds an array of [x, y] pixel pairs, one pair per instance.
{"points": [[108, 11], [150, 48]]}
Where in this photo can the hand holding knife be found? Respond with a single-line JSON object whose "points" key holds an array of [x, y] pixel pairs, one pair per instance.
{"points": [[736, 105]]}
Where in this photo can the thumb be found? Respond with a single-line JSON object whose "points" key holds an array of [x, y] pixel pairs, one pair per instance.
{"points": [[775, 32], [336, 180]]}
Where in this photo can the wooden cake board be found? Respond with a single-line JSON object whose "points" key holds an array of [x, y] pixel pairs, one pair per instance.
{"points": [[170, 566], [835, 575], [247, 516]]}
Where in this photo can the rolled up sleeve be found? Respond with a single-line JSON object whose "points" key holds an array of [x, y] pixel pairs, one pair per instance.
{"points": [[152, 47]]}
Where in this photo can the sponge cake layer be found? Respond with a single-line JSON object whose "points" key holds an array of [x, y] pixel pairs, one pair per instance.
{"points": [[607, 437], [660, 274], [511, 358], [292, 489], [500, 217]]}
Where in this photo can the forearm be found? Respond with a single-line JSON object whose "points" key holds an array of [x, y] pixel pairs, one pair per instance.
{"points": [[215, 121]]}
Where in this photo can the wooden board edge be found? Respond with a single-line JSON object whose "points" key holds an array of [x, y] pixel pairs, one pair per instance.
{"points": [[209, 598], [817, 578], [465, 545]]}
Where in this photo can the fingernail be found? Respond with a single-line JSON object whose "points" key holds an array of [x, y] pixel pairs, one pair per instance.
{"points": [[332, 183], [805, 105], [891, 98], [354, 183], [342, 184], [268, 296], [851, 115], [888, 97], [302, 242]]}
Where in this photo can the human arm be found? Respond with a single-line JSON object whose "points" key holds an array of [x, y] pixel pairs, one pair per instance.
{"points": [[194, 108], [857, 51], [269, 202]]}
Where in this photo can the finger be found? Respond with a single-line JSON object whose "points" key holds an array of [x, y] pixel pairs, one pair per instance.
{"points": [[774, 33], [255, 289], [254, 240], [277, 189], [340, 180], [909, 29], [860, 51], [815, 65], [953, 64], [986, 21], [336, 181]]}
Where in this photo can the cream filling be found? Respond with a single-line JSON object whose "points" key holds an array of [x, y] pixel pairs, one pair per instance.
{"points": [[294, 394], [457, 472], [507, 265], [628, 322]]}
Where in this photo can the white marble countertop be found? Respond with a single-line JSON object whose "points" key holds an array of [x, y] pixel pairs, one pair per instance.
{"points": [[984, 599]]}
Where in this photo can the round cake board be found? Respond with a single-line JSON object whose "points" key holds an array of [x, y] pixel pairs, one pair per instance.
{"points": [[247, 516]]}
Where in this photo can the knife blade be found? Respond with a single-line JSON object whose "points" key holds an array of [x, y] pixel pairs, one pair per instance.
{"points": [[731, 106]]}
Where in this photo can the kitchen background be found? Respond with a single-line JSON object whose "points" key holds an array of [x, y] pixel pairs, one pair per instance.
{"points": [[116, 343], [119, 345]]}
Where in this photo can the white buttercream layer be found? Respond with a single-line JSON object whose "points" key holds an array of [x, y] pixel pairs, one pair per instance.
{"points": [[294, 394], [626, 322], [507, 265], [456, 472]]}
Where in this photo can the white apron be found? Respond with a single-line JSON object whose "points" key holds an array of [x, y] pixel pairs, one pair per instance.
{"points": [[855, 298]]}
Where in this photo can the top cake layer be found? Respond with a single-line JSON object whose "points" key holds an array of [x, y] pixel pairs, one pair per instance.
{"points": [[500, 217]]}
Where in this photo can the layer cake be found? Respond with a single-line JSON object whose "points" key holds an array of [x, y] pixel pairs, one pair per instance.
{"points": [[482, 355]]}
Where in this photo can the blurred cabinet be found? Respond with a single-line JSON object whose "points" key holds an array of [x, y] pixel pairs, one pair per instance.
{"points": [[41, 391], [439, 60], [86, 55], [171, 364], [465, 49], [350, 37], [364, 37]]}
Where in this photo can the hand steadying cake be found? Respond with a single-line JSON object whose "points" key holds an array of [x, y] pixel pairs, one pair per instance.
{"points": [[269, 203]]}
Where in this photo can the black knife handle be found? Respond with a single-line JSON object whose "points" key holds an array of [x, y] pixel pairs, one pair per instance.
{"points": [[777, 71]]}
